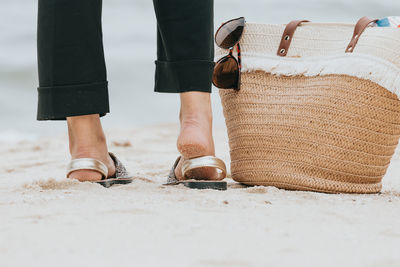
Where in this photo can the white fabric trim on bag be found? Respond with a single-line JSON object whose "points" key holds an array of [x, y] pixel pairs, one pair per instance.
{"points": [[319, 49], [361, 66]]}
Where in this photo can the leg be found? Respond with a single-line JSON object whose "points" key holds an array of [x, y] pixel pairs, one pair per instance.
{"points": [[72, 75], [185, 46], [185, 65], [72, 72]]}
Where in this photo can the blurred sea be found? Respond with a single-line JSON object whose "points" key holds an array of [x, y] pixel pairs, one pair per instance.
{"points": [[130, 37]]}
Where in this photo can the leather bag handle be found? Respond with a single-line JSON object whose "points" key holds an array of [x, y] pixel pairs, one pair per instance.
{"points": [[360, 27], [290, 29], [288, 36]]}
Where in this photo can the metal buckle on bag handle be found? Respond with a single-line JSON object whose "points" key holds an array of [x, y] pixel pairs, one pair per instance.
{"points": [[360, 27], [288, 36]]}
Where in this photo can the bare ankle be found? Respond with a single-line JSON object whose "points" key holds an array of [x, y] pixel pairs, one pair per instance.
{"points": [[195, 108], [86, 135]]}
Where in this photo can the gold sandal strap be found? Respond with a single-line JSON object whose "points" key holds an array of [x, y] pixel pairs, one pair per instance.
{"points": [[207, 161], [87, 164]]}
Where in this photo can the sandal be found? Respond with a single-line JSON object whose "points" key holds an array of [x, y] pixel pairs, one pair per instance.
{"points": [[121, 175], [199, 183]]}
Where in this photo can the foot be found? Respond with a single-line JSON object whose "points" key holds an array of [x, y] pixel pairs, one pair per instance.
{"points": [[195, 137], [87, 140]]}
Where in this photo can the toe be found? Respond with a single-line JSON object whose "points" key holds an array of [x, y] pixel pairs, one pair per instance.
{"points": [[85, 175]]}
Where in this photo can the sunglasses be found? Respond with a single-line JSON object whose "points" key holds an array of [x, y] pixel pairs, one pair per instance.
{"points": [[227, 70]]}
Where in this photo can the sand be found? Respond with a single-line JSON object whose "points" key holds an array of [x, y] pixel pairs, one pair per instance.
{"points": [[47, 220]]}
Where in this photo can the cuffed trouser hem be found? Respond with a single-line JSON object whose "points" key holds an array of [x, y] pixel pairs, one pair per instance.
{"points": [[183, 76], [59, 102]]}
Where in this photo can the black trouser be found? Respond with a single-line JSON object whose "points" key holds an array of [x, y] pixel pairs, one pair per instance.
{"points": [[72, 71]]}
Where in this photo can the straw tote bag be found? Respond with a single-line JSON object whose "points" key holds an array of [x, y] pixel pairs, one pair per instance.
{"points": [[318, 108]]}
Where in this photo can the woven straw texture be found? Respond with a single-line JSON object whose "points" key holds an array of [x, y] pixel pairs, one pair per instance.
{"points": [[331, 133]]}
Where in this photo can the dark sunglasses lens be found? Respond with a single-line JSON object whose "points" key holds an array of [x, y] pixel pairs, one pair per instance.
{"points": [[226, 73], [230, 33]]}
